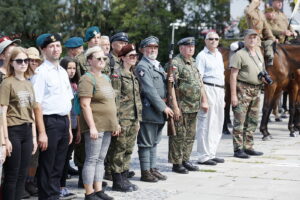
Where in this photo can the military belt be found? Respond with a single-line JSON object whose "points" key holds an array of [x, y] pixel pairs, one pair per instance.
{"points": [[215, 85], [250, 84]]}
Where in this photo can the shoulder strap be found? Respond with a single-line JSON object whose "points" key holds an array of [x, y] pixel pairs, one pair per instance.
{"points": [[93, 80]]}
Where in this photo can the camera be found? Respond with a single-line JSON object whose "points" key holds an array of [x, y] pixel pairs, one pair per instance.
{"points": [[266, 75]]}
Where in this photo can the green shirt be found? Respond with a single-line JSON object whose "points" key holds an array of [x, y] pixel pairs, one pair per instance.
{"points": [[18, 95], [249, 66], [102, 103]]}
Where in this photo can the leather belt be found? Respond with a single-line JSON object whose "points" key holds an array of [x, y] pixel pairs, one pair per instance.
{"points": [[250, 84], [215, 85]]}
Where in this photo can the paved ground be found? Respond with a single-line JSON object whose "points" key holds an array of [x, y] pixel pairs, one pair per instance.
{"points": [[274, 175]]}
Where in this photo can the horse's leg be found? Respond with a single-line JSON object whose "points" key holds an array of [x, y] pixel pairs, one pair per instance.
{"points": [[267, 108], [293, 93]]}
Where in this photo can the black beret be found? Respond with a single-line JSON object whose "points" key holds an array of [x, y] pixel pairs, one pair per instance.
{"points": [[186, 41], [49, 39]]}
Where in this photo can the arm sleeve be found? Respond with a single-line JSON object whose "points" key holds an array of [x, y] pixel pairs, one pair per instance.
{"points": [[149, 90], [200, 63], [236, 61], [39, 84], [4, 93], [85, 87]]}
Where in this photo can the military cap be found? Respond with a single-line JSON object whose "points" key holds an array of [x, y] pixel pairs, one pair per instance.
{"points": [[270, 9], [91, 32], [39, 40], [121, 36], [74, 42], [149, 40], [49, 39], [186, 41], [5, 42], [92, 50], [126, 49], [250, 32]]}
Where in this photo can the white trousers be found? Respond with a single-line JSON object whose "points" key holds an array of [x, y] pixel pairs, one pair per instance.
{"points": [[210, 124]]}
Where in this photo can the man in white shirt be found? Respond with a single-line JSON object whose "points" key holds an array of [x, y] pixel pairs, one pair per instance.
{"points": [[210, 123], [53, 94]]}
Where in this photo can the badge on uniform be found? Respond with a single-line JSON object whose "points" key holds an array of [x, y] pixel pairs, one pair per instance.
{"points": [[142, 73]]}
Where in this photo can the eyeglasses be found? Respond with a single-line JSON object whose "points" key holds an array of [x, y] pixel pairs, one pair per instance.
{"points": [[34, 60], [132, 56], [102, 58], [21, 61], [211, 39]]}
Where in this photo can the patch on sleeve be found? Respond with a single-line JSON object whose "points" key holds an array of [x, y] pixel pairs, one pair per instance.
{"points": [[141, 73]]}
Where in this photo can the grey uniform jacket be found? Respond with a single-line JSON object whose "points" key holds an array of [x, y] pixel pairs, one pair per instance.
{"points": [[153, 91]]}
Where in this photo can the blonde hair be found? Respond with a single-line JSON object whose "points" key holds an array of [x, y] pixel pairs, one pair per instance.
{"points": [[14, 53]]}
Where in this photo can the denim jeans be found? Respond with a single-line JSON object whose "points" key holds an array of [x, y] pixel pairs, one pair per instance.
{"points": [[95, 152], [16, 166]]}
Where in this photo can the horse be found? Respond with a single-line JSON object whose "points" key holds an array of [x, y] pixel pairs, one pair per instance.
{"points": [[285, 74]]}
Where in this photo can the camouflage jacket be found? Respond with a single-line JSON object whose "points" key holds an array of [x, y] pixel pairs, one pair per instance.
{"points": [[127, 92], [82, 65], [256, 20], [188, 84]]}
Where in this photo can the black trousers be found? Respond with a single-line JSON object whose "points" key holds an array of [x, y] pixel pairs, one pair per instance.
{"points": [[68, 158], [16, 166], [51, 161]]}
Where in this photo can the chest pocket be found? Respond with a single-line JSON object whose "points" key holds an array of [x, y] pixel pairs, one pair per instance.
{"points": [[53, 86], [126, 89]]}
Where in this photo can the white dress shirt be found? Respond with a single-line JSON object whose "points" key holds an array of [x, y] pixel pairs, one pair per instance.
{"points": [[211, 66], [52, 89]]}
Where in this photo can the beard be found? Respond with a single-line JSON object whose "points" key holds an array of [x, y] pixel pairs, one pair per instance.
{"points": [[152, 56]]}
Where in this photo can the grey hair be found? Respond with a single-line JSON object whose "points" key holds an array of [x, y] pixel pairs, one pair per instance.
{"points": [[210, 34], [104, 37]]}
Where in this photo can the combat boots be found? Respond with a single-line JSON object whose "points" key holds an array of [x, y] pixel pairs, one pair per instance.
{"points": [[157, 174], [147, 176], [125, 179], [119, 184]]}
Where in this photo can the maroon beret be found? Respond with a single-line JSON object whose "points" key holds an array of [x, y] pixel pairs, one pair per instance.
{"points": [[126, 49]]}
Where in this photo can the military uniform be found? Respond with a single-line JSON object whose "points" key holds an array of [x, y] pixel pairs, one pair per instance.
{"points": [[129, 113], [152, 79], [188, 95], [248, 94], [257, 21]]}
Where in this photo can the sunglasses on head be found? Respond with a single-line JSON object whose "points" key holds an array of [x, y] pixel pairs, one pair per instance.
{"points": [[132, 56], [211, 39], [102, 58], [21, 61]]}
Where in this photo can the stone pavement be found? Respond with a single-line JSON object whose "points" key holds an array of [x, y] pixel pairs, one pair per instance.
{"points": [[274, 175]]}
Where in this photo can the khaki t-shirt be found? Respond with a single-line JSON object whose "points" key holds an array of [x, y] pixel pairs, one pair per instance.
{"points": [[18, 95], [249, 67], [102, 103]]}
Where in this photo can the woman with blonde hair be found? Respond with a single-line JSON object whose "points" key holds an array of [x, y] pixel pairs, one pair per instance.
{"points": [[17, 101]]}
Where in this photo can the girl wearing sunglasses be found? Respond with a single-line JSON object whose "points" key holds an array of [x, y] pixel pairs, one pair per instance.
{"points": [[17, 101], [129, 109]]}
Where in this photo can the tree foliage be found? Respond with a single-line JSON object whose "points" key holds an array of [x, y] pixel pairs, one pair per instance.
{"points": [[140, 18]]}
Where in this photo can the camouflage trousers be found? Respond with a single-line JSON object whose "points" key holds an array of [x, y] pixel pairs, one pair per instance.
{"points": [[121, 147], [181, 145], [245, 116]]}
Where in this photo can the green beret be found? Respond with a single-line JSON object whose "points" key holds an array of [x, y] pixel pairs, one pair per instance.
{"points": [[186, 41], [91, 32], [40, 39], [74, 42], [49, 39]]}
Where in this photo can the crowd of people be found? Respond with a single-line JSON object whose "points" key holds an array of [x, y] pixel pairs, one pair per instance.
{"points": [[96, 104]]}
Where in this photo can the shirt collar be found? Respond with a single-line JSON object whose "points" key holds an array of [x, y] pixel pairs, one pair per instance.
{"points": [[188, 61], [50, 66], [154, 62], [206, 50]]}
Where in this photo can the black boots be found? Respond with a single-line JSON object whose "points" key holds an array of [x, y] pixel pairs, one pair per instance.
{"points": [[119, 184], [125, 179]]}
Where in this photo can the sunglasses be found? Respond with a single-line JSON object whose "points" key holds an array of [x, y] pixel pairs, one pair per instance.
{"points": [[132, 56], [21, 61], [211, 39], [34, 60], [102, 58]]}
